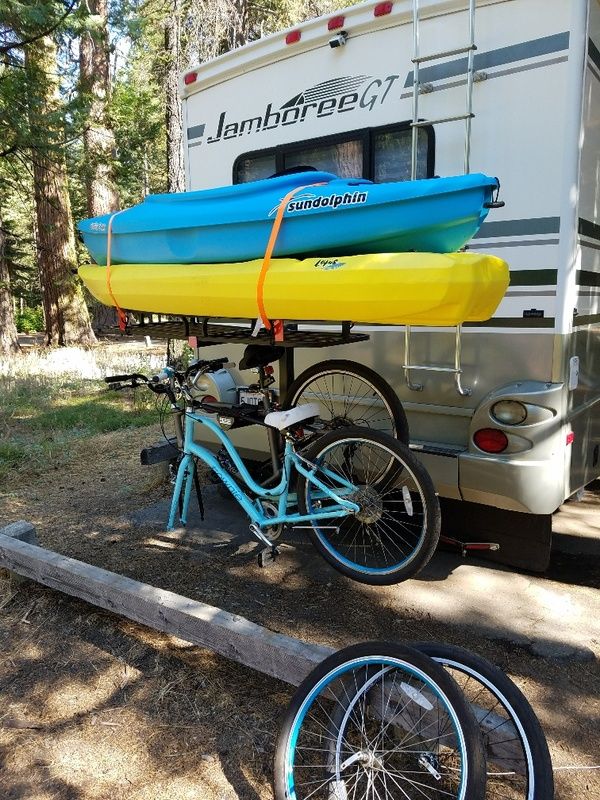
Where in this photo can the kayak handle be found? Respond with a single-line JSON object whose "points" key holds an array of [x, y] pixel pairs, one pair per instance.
{"points": [[495, 204]]}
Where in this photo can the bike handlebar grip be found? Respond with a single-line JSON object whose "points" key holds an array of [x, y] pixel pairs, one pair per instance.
{"points": [[117, 378]]}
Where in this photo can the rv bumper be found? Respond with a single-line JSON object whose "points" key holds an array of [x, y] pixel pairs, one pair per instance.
{"points": [[535, 487]]}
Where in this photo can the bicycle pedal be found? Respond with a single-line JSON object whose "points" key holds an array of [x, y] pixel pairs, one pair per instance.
{"points": [[267, 556]]}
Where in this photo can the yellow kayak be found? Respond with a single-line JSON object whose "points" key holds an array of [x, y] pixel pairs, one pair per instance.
{"points": [[383, 288]]}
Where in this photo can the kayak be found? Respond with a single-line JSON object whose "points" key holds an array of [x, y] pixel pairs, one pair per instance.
{"points": [[381, 288], [326, 216]]}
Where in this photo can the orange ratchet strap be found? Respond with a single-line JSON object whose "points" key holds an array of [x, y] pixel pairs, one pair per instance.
{"points": [[262, 314], [120, 313]]}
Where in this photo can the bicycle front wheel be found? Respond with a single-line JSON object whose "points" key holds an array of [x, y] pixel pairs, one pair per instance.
{"points": [[519, 764], [397, 528], [350, 394], [379, 721]]}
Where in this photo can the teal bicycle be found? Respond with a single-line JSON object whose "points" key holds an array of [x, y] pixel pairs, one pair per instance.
{"points": [[369, 506]]}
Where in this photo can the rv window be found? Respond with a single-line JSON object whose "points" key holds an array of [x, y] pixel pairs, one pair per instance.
{"points": [[378, 154], [342, 158], [392, 155], [254, 168]]}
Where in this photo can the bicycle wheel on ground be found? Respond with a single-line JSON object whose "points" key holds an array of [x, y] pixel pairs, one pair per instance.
{"points": [[379, 721], [350, 394], [397, 528], [519, 764]]}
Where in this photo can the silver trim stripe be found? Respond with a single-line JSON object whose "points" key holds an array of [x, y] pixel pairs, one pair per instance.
{"points": [[500, 73], [521, 243], [494, 58]]}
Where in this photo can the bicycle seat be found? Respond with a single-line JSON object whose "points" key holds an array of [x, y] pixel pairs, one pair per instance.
{"points": [[285, 419], [259, 355]]}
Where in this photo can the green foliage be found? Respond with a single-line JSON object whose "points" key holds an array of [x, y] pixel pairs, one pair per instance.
{"points": [[30, 320], [42, 417]]}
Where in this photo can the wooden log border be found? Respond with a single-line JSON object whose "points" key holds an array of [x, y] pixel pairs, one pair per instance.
{"points": [[230, 635], [282, 657]]}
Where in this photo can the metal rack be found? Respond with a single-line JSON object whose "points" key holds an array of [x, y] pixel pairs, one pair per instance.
{"points": [[207, 331]]}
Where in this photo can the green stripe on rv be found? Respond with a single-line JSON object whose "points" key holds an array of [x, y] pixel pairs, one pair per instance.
{"points": [[533, 277], [580, 320], [513, 322]]}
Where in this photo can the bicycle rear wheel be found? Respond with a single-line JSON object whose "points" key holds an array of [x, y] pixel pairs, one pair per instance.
{"points": [[379, 721], [396, 530], [519, 764], [350, 394]]}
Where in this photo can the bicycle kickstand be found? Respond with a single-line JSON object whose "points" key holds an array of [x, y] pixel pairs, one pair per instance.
{"points": [[270, 553]]}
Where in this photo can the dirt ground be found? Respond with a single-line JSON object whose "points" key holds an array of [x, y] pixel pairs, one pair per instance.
{"points": [[94, 707]]}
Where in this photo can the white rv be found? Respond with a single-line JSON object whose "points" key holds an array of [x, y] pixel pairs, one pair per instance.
{"points": [[337, 93]]}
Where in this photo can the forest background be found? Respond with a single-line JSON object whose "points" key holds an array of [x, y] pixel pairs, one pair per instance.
{"points": [[90, 122]]}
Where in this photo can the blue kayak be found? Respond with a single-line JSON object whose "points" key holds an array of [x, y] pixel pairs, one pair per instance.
{"points": [[337, 217]]}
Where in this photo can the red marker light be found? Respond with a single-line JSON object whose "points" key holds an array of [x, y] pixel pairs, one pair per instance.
{"points": [[381, 9], [335, 23], [570, 437], [190, 78], [293, 36], [490, 440]]}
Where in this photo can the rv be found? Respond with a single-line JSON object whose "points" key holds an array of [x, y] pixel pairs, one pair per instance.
{"points": [[388, 91]]}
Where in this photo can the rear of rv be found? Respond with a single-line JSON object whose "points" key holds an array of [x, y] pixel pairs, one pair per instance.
{"points": [[336, 93]]}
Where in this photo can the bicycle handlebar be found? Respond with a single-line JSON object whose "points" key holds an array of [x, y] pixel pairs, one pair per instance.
{"points": [[162, 383], [121, 378]]}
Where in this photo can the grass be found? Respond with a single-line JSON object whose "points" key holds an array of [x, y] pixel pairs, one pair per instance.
{"points": [[51, 398]]}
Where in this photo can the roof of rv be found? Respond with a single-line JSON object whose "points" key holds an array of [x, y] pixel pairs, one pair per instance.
{"points": [[355, 20]]}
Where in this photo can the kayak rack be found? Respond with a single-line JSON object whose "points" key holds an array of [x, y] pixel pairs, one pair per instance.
{"points": [[207, 331]]}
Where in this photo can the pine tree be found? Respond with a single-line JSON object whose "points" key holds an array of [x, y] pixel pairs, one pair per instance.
{"points": [[66, 315], [94, 88], [9, 341]]}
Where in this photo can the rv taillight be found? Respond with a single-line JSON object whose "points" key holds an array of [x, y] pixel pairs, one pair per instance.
{"points": [[335, 23], [490, 440], [190, 78], [381, 9], [292, 37]]}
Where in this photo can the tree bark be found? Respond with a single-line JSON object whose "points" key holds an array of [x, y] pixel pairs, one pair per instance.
{"points": [[9, 341], [240, 23], [174, 119], [65, 311], [98, 136]]}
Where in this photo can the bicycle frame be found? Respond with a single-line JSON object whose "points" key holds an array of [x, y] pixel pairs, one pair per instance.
{"points": [[253, 508]]}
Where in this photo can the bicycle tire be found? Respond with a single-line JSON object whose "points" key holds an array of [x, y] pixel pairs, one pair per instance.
{"points": [[381, 714], [398, 528], [525, 771], [328, 380]]}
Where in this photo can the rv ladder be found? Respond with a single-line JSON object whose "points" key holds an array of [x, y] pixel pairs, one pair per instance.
{"points": [[464, 391], [417, 60], [467, 116]]}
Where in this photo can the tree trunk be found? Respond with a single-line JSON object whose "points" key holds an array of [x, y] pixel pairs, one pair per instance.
{"points": [[9, 342], [240, 23], [65, 311], [98, 136], [174, 119]]}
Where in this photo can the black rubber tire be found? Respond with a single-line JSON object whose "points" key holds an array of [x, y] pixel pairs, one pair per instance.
{"points": [[413, 543], [467, 668], [316, 699], [398, 426]]}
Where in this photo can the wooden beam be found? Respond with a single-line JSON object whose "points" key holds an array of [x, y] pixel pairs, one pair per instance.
{"points": [[282, 657], [230, 635]]}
